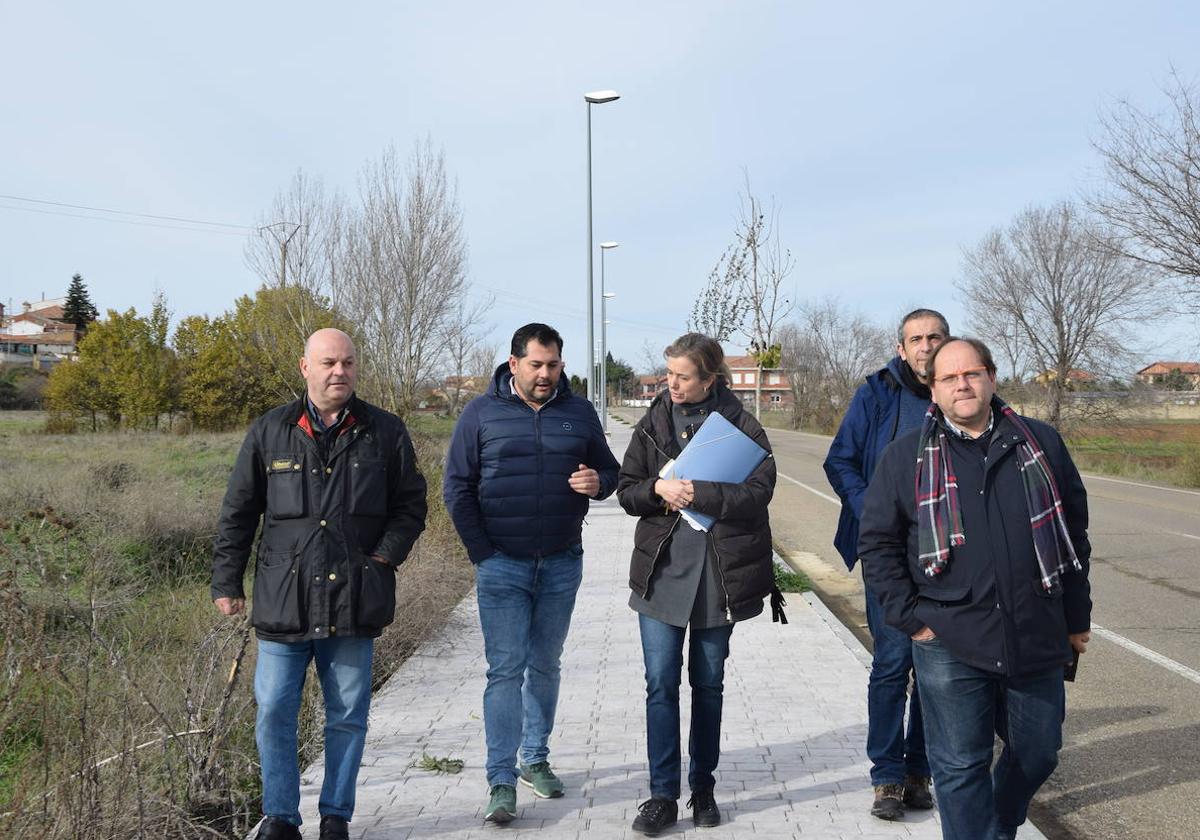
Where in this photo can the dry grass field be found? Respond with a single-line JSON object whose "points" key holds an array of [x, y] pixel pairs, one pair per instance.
{"points": [[126, 708]]}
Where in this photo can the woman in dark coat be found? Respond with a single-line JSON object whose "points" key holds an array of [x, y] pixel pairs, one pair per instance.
{"points": [[690, 582]]}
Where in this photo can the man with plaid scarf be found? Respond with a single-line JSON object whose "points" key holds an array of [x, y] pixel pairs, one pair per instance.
{"points": [[974, 536]]}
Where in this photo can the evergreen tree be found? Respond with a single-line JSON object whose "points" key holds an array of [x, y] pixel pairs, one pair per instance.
{"points": [[79, 309]]}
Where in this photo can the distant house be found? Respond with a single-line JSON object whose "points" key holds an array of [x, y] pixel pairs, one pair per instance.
{"points": [[1075, 378], [776, 388], [38, 335], [1157, 373], [648, 386]]}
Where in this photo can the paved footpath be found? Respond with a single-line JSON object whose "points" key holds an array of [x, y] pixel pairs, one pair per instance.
{"points": [[792, 763]]}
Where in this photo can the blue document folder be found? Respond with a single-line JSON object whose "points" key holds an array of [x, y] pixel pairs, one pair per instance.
{"points": [[720, 451]]}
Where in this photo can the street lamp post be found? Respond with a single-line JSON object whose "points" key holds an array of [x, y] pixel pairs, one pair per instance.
{"points": [[597, 97], [604, 296], [604, 361]]}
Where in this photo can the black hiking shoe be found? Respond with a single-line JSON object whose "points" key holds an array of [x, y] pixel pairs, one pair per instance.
{"points": [[654, 815], [705, 813], [916, 793], [334, 828], [274, 828]]}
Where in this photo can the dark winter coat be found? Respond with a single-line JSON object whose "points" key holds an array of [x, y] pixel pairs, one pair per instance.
{"points": [[988, 606], [323, 517], [507, 470], [741, 536], [882, 408]]}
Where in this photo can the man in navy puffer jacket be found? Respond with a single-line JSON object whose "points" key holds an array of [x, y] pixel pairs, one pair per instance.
{"points": [[524, 462], [890, 403]]}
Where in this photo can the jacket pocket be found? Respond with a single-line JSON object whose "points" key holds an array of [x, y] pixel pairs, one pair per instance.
{"points": [[277, 606], [285, 486], [376, 595], [945, 596], [368, 487]]}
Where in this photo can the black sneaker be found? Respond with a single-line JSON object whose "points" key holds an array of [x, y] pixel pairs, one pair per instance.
{"points": [[654, 815], [889, 802], [334, 828], [916, 793], [705, 813], [274, 828]]}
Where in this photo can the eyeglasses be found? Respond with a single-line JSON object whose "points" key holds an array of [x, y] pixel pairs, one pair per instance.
{"points": [[973, 376]]}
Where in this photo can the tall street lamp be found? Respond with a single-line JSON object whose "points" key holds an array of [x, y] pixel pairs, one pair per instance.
{"points": [[604, 296], [596, 97], [604, 362]]}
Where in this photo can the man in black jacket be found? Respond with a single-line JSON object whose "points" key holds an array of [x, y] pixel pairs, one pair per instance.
{"points": [[974, 535], [336, 484], [525, 460]]}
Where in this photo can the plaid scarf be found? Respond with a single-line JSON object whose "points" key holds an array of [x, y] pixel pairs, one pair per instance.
{"points": [[939, 514]]}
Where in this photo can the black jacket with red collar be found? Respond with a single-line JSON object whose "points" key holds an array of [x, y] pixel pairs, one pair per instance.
{"points": [[325, 512]]}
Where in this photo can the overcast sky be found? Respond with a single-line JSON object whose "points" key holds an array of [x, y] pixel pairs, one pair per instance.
{"points": [[890, 136]]}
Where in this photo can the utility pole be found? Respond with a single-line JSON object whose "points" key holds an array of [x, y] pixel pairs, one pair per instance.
{"points": [[279, 231]]}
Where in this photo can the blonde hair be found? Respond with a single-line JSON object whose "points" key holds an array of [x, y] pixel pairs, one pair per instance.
{"points": [[702, 351]]}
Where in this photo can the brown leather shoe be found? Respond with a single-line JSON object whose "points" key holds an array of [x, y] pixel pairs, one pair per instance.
{"points": [[889, 802]]}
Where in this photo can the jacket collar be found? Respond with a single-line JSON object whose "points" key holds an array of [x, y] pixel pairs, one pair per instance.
{"points": [[727, 405], [502, 387]]}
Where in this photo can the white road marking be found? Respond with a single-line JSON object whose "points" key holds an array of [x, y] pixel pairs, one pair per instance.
{"points": [[1181, 534], [1141, 484], [1147, 654], [812, 490]]}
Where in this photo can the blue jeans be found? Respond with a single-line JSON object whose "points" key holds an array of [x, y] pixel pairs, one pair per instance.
{"points": [[964, 708], [525, 607], [662, 650], [893, 756], [344, 669]]}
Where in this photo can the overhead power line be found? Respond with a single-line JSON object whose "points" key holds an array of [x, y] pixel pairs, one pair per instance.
{"points": [[244, 228], [123, 221]]}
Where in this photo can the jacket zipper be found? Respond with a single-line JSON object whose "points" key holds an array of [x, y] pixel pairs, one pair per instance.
{"points": [[721, 573], [658, 552]]}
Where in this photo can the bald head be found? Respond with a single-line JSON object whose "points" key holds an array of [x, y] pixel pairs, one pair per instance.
{"points": [[322, 338], [330, 368]]}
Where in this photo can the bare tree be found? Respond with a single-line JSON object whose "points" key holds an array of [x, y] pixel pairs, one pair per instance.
{"points": [[462, 337], [404, 259], [826, 354], [765, 267], [720, 309], [652, 356], [1076, 301], [1003, 334], [1152, 198]]}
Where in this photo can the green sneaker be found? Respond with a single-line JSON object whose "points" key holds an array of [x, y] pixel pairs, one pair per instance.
{"points": [[542, 780], [502, 804]]}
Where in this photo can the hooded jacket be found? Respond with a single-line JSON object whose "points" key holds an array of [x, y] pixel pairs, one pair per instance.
{"points": [[507, 469], [883, 407]]}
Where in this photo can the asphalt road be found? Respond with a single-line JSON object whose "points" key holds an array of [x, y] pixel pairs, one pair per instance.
{"points": [[1130, 764]]}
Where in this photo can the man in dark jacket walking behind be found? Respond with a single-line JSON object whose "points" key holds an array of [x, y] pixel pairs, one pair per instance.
{"points": [[891, 401], [336, 484], [523, 463], [974, 535]]}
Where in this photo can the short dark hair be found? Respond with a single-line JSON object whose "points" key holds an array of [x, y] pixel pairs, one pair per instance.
{"points": [[985, 354], [921, 313], [541, 333]]}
